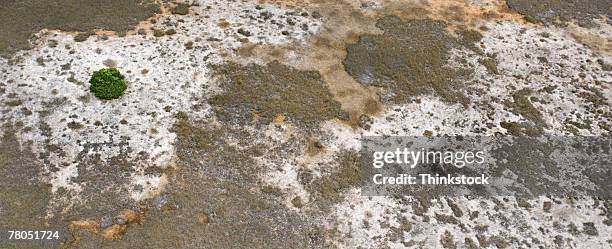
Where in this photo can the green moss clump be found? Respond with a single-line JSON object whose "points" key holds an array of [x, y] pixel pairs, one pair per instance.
{"points": [[181, 9], [107, 83]]}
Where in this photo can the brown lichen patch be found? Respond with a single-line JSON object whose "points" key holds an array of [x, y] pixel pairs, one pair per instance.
{"points": [[20, 19], [130, 216], [410, 59], [522, 105], [127, 218], [89, 225], [562, 11], [329, 188], [314, 148], [223, 24], [261, 93]]}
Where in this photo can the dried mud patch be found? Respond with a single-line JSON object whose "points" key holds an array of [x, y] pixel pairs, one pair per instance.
{"points": [[255, 93], [562, 11], [410, 59]]}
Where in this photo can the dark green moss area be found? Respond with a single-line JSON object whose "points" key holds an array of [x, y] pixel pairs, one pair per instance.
{"points": [[215, 199], [328, 189], [23, 197], [521, 129], [107, 83], [255, 93], [562, 11], [20, 19], [521, 105], [410, 59], [535, 161], [181, 9]]}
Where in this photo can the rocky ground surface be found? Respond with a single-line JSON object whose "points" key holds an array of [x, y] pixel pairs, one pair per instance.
{"points": [[241, 124]]}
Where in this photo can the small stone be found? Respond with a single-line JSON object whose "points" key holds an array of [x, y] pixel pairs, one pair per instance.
{"points": [[109, 63], [158, 32], [202, 218], [170, 32], [547, 206], [244, 32], [297, 202], [589, 229], [189, 45]]}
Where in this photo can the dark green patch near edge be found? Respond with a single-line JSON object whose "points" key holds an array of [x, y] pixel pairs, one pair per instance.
{"points": [[329, 189], [23, 196], [255, 92], [181, 9], [561, 11], [410, 59], [20, 19], [534, 124]]}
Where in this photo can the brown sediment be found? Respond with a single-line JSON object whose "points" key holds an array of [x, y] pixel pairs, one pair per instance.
{"points": [[464, 13], [592, 38], [114, 232], [89, 225]]}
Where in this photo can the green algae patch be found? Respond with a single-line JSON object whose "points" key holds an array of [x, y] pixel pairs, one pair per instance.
{"points": [[107, 83], [255, 93], [21, 19], [562, 11], [410, 59]]}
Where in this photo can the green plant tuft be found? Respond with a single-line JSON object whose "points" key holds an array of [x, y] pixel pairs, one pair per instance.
{"points": [[107, 83]]}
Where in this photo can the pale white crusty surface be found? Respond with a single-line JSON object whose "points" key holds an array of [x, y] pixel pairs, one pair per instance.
{"points": [[177, 79]]}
